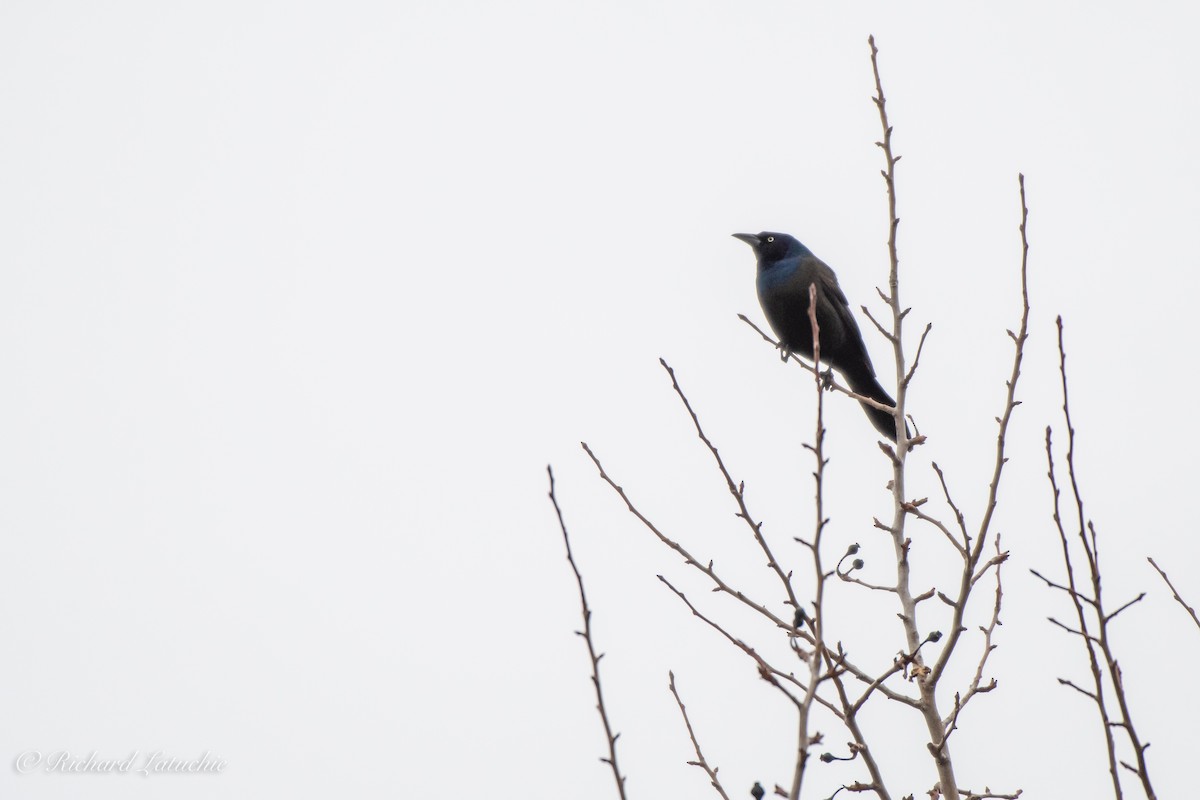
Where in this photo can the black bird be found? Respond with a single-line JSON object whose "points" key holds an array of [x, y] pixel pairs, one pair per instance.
{"points": [[786, 269]]}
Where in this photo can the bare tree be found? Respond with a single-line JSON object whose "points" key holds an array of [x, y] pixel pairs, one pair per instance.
{"points": [[936, 628]]}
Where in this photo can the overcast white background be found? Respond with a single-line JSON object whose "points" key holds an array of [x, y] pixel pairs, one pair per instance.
{"points": [[297, 301]]}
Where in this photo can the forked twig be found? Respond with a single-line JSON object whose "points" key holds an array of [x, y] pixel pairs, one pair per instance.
{"points": [[1089, 611]]}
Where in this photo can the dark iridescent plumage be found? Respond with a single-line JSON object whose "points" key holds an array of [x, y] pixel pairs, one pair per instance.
{"points": [[786, 269]]}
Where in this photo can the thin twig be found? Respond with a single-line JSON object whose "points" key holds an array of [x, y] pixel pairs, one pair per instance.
{"points": [[972, 552], [848, 578], [917, 358], [766, 671], [700, 760], [913, 509], [688, 558], [850, 720], [867, 312], [586, 633], [1175, 592], [1092, 552], [958, 515], [987, 793], [1098, 645], [877, 685], [1080, 595], [737, 490], [1097, 695], [1010, 403], [977, 686]]}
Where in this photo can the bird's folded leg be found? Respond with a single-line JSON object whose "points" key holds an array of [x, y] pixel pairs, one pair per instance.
{"points": [[827, 379], [784, 352]]}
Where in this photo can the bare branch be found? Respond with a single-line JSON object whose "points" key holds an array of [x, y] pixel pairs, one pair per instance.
{"points": [[977, 686], [917, 358], [877, 685], [700, 760], [958, 515], [1175, 593], [1079, 595], [850, 720], [770, 674], [848, 578], [817, 624], [586, 633], [921, 515], [926, 683], [1085, 693], [688, 558], [975, 548], [1113, 615], [987, 793], [1101, 659], [875, 322], [994, 561], [737, 490]]}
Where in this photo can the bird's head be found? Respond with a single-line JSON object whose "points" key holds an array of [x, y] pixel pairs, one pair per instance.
{"points": [[770, 246]]}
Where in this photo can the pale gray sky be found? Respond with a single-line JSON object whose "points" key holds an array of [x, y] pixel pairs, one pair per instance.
{"points": [[297, 300]]}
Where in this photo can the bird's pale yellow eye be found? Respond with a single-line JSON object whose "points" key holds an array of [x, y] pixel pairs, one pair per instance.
{"points": [[770, 238]]}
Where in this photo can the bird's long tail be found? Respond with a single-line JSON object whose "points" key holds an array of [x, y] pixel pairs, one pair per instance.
{"points": [[868, 386]]}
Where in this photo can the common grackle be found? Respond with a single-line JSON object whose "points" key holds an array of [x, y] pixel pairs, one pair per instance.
{"points": [[786, 269]]}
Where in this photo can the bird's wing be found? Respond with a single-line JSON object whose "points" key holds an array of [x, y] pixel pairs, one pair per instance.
{"points": [[828, 283]]}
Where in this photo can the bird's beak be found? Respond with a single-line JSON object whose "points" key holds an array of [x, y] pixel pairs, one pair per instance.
{"points": [[748, 238]]}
